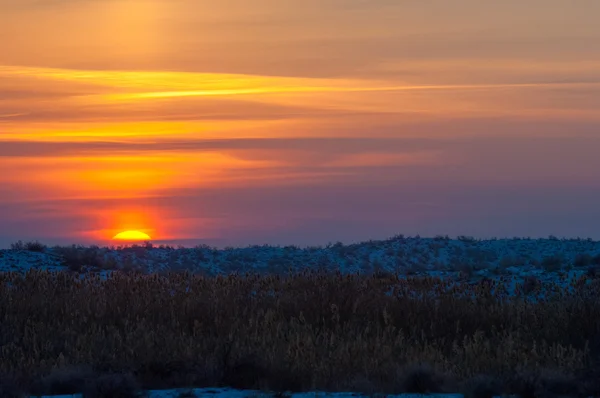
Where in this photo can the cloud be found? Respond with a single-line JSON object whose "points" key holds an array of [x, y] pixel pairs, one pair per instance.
{"points": [[492, 186], [114, 103], [350, 210], [330, 146], [324, 118], [161, 110]]}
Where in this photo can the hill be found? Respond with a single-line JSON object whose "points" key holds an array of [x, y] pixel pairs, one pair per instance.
{"points": [[460, 258]]}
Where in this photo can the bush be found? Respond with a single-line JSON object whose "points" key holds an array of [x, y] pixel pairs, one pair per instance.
{"points": [[583, 260], [35, 247], [17, 246], [28, 246], [552, 263], [466, 239], [76, 257]]}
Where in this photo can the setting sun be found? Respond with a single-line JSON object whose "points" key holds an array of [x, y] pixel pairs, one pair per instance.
{"points": [[131, 235]]}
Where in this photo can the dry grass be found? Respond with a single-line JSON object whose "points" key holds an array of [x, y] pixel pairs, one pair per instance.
{"points": [[304, 331]]}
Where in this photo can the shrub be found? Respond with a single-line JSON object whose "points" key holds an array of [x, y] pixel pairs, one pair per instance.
{"points": [[583, 260], [35, 247], [28, 246], [17, 246], [466, 239], [114, 385], [76, 257], [552, 263]]}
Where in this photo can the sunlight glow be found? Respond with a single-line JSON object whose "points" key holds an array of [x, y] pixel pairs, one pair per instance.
{"points": [[131, 236]]}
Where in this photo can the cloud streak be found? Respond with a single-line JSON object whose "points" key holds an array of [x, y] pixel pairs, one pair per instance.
{"points": [[296, 121]]}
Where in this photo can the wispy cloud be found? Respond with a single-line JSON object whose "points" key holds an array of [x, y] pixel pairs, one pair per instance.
{"points": [[90, 103], [313, 119]]}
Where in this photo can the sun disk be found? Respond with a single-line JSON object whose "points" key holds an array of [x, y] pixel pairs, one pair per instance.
{"points": [[131, 235]]}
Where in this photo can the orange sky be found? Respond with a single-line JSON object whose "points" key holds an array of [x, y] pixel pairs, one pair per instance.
{"points": [[282, 121]]}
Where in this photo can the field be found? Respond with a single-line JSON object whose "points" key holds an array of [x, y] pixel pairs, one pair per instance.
{"points": [[405, 315], [441, 256]]}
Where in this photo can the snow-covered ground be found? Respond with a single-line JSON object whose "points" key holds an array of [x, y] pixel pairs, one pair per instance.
{"points": [[231, 393], [513, 260], [549, 260]]}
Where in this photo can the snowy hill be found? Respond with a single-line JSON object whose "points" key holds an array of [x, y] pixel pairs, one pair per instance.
{"points": [[464, 258]]}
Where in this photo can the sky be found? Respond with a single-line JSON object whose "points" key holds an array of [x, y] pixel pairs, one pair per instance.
{"points": [[285, 122]]}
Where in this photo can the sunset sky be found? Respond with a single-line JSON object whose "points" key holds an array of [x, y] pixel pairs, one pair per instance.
{"points": [[240, 122]]}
